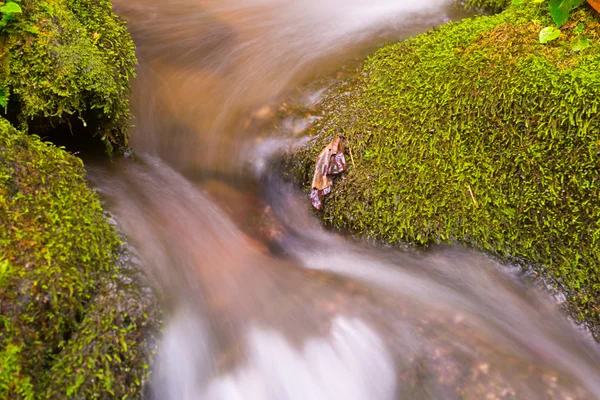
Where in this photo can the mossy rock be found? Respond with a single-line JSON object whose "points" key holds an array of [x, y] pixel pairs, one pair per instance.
{"points": [[69, 326], [66, 66], [476, 133]]}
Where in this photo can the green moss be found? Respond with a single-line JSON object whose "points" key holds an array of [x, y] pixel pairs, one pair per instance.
{"points": [[490, 6], [67, 65], [68, 328], [476, 133]]}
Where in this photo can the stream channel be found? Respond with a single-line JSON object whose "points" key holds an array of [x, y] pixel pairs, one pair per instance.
{"points": [[263, 303]]}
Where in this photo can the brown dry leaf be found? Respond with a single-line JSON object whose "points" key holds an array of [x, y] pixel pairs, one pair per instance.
{"points": [[595, 4], [331, 161]]}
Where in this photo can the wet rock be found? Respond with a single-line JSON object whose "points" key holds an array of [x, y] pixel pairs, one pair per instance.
{"points": [[451, 144], [75, 324]]}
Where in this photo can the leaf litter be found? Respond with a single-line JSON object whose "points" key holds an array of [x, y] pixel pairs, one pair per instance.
{"points": [[331, 161]]}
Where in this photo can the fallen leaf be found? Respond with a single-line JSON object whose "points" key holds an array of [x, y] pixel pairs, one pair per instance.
{"points": [[330, 161], [549, 34]]}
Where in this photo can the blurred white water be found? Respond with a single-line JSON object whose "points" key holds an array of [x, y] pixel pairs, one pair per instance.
{"points": [[350, 363], [329, 317], [205, 65], [321, 317]]}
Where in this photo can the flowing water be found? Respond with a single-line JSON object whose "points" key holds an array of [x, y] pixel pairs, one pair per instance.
{"points": [[262, 303]]}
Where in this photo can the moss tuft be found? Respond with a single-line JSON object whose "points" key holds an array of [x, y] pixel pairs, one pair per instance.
{"points": [[67, 65], [488, 6], [68, 328], [477, 133]]}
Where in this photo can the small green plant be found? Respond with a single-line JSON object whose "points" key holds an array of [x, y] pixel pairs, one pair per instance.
{"points": [[580, 42], [560, 11], [549, 34], [3, 98], [580, 45], [9, 11]]}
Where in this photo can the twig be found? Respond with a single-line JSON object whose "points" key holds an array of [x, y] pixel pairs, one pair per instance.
{"points": [[472, 196], [350, 151]]}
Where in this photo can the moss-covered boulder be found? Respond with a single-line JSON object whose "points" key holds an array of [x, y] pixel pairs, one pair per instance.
{"points": [[477, 133], [65, 67], [70, 325], [73, 323]]}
